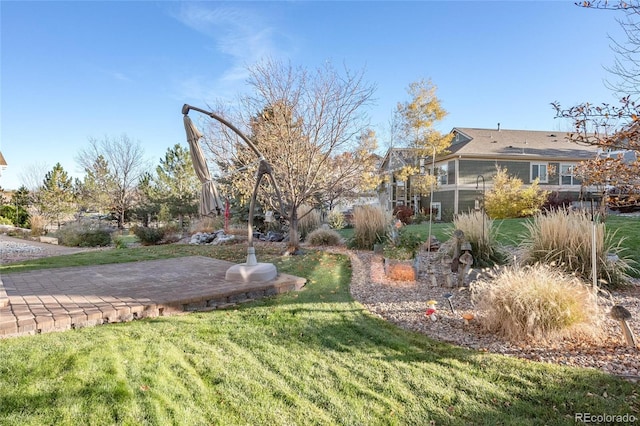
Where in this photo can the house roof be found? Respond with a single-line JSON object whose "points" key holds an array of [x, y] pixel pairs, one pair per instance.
{"points": [[2, 160], [501, 143], [396, 158]]}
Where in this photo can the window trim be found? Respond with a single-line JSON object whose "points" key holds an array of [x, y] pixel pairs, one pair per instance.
{"points": [[546, 175], [571, 175]]}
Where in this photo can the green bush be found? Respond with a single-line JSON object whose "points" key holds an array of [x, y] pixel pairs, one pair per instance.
{"points": [[149, 236], [402, 244], [370, 227], [408, 240], [563, 237], [324, 237], [535, 302], [5, 221], [83, 234], [399, 253], [336, 219]]}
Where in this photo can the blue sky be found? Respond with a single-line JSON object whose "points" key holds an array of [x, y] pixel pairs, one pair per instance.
{"points": [[75, 70]]}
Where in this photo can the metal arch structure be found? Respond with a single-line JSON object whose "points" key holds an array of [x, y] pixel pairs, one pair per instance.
{"points": [[251, 270]]}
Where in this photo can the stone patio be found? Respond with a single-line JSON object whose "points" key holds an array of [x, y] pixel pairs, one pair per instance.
{"points": [[67, 298]]}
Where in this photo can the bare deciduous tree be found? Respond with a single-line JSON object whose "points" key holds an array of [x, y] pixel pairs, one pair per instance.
{"points": [[626, 66], [302, 121], [126, 163], [31, 177]]}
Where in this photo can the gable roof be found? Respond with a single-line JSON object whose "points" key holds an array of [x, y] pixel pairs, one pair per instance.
{"points": [[3, 162], [396, 158], [520, 144]]}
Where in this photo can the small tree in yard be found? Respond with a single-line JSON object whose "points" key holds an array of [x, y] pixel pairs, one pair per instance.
{"points": [[56, 197], [304, 123], [94, 191], [125, 161], [176, 183], [509, 198], [418, 119]]}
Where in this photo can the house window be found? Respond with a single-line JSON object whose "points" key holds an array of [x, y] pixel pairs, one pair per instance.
{"points": [[436, 210], [539, 171], [566, 175], [443, 174]]}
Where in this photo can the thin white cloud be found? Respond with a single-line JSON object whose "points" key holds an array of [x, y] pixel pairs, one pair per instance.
{"points": [[241, 34], [116, 75]]}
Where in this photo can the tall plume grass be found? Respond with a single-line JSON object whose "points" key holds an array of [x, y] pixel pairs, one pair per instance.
{"points": [[309, 221], [534, 303], [479, 230], [563, 238], [37, 224], [371, 225]]}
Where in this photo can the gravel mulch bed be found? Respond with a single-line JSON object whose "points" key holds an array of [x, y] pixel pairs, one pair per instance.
{"points": [[404, 304], [17, 250]]}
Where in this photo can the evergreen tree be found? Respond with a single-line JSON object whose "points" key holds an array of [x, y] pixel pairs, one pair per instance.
{"points": [[95, 192], [56, 196], [176, 183], [22, 199], [147, 208]]}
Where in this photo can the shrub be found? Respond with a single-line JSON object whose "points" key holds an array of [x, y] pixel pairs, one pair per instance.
{"points": [[420, 217], [556, 201], [83, 234], [37, 224], [398, 253], [404, 214], [149, 236], [120, 242], [370, 226], [563, 237], [206, 224], [324, 237], [480, 231], [405, 239], [535, 302], [309, 221], [336, 219], [5, 221], [508, 198]]}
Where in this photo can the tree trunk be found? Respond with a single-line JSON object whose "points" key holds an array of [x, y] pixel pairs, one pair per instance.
{"points": [[294, 243]]}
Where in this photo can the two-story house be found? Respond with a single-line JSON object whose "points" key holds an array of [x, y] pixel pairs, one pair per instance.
{"points": [[3, 163], [465, 171]]}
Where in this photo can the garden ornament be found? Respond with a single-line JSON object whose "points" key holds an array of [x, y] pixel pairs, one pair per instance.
{"points": [[621, 314], [449, 296], [431, 310]]}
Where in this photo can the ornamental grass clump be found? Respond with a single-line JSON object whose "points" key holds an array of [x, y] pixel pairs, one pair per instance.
{"points": [[479, 230], [564, 238], [371, 224], [309, 220], [534, 303], [324, 237]]}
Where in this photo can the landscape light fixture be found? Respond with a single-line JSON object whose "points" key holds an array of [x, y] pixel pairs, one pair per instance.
{"points": [[251, 271]]}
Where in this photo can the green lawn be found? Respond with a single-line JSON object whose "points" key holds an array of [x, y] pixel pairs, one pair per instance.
{"points": [[312, 357]]}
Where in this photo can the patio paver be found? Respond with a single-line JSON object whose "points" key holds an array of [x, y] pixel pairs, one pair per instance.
{"points": [[66, 298]]}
